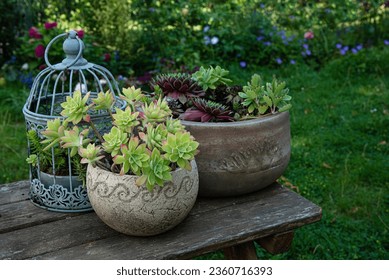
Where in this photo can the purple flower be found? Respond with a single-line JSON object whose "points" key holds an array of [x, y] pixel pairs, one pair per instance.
{"points": [[207, 40], [386, 42], [345, 48], [342, 52], [292, 61], [243, 64], [267, 43], [262, 6], [359, 47], [279, 60], [214, 40], [306, 46], [354, 50], [308, 52], [339, 46], [260, 38], [206, 28]]}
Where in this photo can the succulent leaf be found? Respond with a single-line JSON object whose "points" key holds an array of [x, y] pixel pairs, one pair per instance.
{"points": [[75, 108]]}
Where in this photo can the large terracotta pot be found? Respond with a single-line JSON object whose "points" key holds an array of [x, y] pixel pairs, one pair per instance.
{"points": [[241, 157], [133, 210]]}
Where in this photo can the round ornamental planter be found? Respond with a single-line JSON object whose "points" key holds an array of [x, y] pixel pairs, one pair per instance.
{"points": [[241, 157], [133, 210]]}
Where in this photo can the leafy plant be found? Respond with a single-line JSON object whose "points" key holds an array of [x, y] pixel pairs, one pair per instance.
{"points": [[144, 139], [260, 99], [222, 102], [211, 77]]}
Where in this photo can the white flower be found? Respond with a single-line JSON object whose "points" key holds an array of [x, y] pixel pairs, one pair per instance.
{"points": [[25, 66], [80, 87], [214, 40]]}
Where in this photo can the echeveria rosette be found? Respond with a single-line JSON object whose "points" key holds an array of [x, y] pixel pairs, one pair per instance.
{"points": [[32, 159], [134, 157], [174, 125], [75, 108], [104, 101], [154, 136], [180, 148], [74, 139], [125, 120], [114, 140], [156, 172], [156, 112], [207, 111], [90, 154], [53, 133], [131, 95]]}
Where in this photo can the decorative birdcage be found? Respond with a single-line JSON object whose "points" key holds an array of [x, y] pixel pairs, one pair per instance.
{"points": [[56, 178]]}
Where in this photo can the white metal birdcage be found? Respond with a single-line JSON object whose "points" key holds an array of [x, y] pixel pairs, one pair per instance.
{"points": [[52, 188]]}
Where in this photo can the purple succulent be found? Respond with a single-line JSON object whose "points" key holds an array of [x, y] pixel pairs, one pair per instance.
{"points": [[207, 111]]}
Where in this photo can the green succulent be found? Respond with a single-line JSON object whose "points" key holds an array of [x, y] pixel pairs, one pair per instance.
{"points": [[276, 96], [104, 101], [75, 108], [131, 95], [155, 172], [32, 159], [174, 125], [156, 112], [252, 94], [134, 157], [74, 139], [212, 77], [126, 120], [180, 148], [273, 97], [154, 136], [90, 154], [53, 133], [114, 140]]}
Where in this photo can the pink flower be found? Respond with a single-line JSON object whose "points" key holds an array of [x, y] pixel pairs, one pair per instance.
{"points": [[39, 51], [309, 35], [50, 25], [107, 57], [33, 32], [42, 66], [80, 33]]}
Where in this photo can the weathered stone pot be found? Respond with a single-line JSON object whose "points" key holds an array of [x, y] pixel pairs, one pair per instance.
{"points": [[241, 157], [134, 210]]}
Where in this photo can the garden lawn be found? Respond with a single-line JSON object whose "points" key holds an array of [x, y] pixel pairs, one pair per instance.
{"points": [[340, 149]]}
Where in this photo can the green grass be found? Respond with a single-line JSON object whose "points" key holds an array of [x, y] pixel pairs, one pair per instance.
{"points": [[340, 153], [13, 143]]}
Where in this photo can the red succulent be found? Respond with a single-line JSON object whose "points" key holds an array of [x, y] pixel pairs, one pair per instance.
{"points": [[207, 111]]}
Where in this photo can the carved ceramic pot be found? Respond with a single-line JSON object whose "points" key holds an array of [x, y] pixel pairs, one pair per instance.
{"points": [[241, 157], [133, 210]]}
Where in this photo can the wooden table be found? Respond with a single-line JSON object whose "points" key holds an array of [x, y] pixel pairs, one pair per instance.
{"points": [[268, 217]]}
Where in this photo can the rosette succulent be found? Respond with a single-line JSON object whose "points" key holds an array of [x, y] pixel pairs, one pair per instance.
{"points": [[144, 139], [179, 86], [219, 101]]}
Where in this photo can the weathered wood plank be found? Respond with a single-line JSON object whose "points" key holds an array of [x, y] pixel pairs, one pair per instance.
{"points": [[14, 192], [205, 230], [24, 214], [243, 251], [49, 237], [278, 243]]}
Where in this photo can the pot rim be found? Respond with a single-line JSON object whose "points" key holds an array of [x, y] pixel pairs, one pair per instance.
{"points": [[193, 161], [260, 119]]}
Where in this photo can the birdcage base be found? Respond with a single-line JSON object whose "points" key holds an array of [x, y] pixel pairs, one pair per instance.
{"points": [[59, 196]]}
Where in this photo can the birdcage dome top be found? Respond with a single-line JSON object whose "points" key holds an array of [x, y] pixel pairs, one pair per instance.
{"points": [[53, 84]]}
